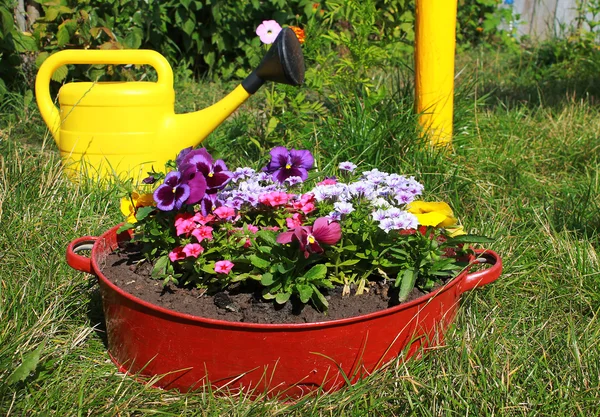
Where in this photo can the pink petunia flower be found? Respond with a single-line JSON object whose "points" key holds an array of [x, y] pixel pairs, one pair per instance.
{"points": [[193, 249], [328, 181], [199, 218], [203, 232], [223, 267], [224, 212], [275, 198], [184, 224], [306, 204], [294, 221], [267, 31], [177, 254], [252, 228]]}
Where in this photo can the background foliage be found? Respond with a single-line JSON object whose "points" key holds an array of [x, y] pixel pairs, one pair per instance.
{"points": [[216, 37]]}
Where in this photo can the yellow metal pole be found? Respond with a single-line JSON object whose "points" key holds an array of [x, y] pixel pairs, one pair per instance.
{"points": [[434, 67]]}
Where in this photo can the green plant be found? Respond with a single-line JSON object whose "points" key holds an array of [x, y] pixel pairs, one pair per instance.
{"points": [[211, 227], [13, 44]]}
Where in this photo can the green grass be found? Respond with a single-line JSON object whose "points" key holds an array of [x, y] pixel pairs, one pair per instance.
{"points": [[527, 174]]}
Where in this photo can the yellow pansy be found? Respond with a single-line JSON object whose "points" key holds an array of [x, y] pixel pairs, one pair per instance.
{"points": [[437, 214], [133, 202]]}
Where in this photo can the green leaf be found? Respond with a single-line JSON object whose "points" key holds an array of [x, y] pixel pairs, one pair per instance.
{"points": [[28, 365], [27, 98], [259, 262], [62, 36], [39, 60], [272, 124], [51, 13], [267, 236], [126, 226], [318, 271], [349, 262], [407, 279], [267, 279], [319, 299], [143, 212], [134, 38], [282, 297], [8, 23], [468, 239], [189, 26], [305, 292], [60, 74], [160, 266], [23, 42]]}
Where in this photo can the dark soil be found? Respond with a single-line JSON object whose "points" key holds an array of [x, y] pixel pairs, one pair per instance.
{"points": [[126, 269]]}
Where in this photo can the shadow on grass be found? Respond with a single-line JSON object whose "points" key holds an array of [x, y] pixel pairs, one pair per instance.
{"points": [[96, 314], [554, 93]]}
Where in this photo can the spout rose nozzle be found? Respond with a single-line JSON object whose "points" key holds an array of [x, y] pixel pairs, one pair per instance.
{"points": [[283, 63]]}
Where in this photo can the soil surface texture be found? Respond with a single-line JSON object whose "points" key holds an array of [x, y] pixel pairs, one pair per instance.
{"points": [[126, 269]]}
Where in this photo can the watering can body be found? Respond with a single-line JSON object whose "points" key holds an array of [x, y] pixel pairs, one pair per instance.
{"points": [[127, 129], [122, 128]]}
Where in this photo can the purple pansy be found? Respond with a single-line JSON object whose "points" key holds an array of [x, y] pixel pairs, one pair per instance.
{"points": [[200, 161], [289, 163], [209, 203], [149, 180], [172, 193], [310, 237], [182, 154]]}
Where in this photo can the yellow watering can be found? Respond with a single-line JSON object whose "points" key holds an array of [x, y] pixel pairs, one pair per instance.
{"points": [[130, 128]]}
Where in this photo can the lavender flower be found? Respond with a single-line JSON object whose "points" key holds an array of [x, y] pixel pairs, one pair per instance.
{"points": [[293, 180], [375, 176], [364, 189], [334, 216], [289, 163], [381, 203], [347, 166], [379, 215], [242, 173], [335, 192], [343, 207], [395, 219]]}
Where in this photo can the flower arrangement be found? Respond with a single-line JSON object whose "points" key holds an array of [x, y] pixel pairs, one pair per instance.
{"points": [[288, 233]]}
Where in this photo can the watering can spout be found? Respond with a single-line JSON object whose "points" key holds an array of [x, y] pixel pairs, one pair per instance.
{"points": [[283, 63]]}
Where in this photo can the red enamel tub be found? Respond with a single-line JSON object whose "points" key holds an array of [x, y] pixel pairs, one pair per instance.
{"points": [[280, 360]]}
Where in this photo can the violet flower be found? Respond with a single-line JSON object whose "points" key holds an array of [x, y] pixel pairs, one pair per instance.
{"points": [[172, 193], [310, 237], [209, 203], [289, 163], [200, 161]]}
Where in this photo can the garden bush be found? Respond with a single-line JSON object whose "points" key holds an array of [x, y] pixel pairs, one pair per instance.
{"points": [[216, 37]]}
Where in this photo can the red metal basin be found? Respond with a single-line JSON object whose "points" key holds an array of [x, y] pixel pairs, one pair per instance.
{"points": [[284, 360]]}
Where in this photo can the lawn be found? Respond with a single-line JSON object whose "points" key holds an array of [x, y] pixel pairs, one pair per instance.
{"points": [[524, 169]]}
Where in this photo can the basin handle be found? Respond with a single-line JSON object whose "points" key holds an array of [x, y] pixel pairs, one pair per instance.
{"points": [[76, 261], [50, 112], [485, 276]]}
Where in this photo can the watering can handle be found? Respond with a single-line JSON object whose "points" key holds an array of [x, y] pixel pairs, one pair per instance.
{"points": [[50, 112], [76, 261], [485, 276]]}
